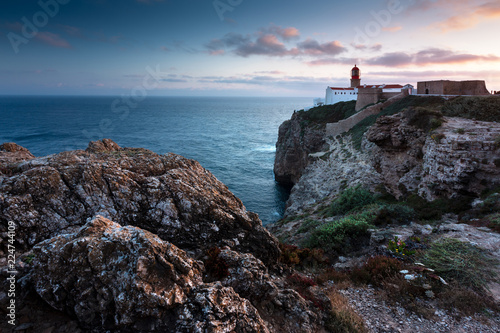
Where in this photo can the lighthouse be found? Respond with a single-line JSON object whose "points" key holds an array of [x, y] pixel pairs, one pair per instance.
{"points": [[355, 77]]}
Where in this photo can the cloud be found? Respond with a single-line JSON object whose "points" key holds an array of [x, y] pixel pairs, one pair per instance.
{"points": [[461, 14], [313, 47], [392, 29], [285, 33], [271, 42], [470, 18], [264, 45], [53, 39], [270, 72], [431, 56], [333, 61], [70, 30], [362, 47]]}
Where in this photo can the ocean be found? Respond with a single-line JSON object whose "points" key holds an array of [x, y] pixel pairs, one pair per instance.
{"points": [[233, 137]]}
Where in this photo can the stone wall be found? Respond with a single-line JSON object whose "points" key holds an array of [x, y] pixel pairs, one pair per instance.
{"points": [[367, 96], [334, 129], [445, 87]]}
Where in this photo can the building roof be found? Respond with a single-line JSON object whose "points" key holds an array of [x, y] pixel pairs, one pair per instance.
{"points": [[381, 86], [333, 88]]}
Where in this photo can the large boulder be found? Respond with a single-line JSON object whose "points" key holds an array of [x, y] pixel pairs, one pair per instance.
{"points": [[171, 196], [114, 277], [214, 308]]}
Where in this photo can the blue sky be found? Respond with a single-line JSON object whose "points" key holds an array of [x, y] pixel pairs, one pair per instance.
{"points": [[241, 47]]}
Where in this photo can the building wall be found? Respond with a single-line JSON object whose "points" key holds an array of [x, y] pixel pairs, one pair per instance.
{"points": [[341, 96], [444, 87], [367, 96]]}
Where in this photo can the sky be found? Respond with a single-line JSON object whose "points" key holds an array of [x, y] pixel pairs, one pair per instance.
{"points": [[241, 47]]}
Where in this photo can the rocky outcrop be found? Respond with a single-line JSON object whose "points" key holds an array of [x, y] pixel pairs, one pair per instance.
{"points": [[250, 278], [214, 308], [114, 277], [460, 157], [171, 196], [113, 240], [296, 140], [10, 155]]}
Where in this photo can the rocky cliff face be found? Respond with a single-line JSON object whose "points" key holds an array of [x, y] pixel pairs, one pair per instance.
{"points": [[460, 157], [403, 152], [296, 141], [125, 240]]}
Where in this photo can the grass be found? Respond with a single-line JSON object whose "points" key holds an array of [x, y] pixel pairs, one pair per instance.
{"points": [[477, 107], [329, 113], [462, 262], [342, 318]]}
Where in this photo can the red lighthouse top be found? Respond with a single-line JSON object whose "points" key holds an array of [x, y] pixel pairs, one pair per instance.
{"points": [[355, 73]]}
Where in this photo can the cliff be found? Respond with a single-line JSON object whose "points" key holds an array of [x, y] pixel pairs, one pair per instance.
{"points": [[303, 135], [115, 239], [421, 145], [400, 196]]}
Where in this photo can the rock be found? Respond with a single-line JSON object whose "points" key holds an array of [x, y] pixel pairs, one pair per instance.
{"points": [[114, 277], [457, 157], [249, 277], [295, 142], [214, 308], [171, 196], [11, 155], [101, 146]]}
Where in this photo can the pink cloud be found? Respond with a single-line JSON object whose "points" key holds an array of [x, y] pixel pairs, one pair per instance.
{"points": [[392, 29], [431, 56], [53, 39]]}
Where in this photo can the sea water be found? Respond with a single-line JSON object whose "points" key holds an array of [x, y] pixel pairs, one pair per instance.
{"points": [[233, 137]]}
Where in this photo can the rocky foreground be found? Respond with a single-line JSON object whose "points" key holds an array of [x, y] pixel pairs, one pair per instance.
{"points": [[115, 239]]}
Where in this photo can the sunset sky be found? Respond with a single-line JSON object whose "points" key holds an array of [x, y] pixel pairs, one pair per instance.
{"points": [[242, 47]]}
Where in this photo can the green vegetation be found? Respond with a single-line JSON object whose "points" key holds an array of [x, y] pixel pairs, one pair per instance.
{"points": [[434, 210], [462, 262], [344, 235], [351, 199], [329, 113], [477, 107]]}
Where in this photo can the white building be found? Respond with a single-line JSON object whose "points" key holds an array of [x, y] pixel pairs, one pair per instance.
{"points": [[335, 95]]}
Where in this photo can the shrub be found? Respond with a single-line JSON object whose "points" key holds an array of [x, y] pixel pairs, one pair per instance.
{"points": [[307, 225], [463, 262], [394, 213], [466, 301], [352, 198], [434, 210], [292, 255], [398, 247], [377, 269], [344, 235]]}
